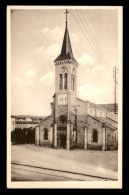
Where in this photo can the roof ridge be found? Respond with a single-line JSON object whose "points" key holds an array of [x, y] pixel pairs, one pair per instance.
{"points": [[112, 119], [92, 103], [44, 118], [97, 105], [95, 118], [102, 121], [82, 100]]}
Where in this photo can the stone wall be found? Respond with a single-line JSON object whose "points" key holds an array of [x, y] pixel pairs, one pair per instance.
{"points": [[45, 124], [73, 120], [81, 121], [94, 124], [111, 141]]}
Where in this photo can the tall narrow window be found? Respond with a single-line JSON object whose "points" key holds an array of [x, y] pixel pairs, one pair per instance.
{"points": [[73, 82], [65, 81], [45, 134], [61, 82], [95, 135], [115, 137]]}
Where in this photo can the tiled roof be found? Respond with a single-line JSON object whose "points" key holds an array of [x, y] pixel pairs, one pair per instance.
{"points": [[109, 121], [106, 120], [92, 104], [27, 116], [109, 107], [112, 116], [81, 100], [96, 106]]}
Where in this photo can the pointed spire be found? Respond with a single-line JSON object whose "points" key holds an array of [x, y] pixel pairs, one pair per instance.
{"points": [[66, 51], [66, 46]]}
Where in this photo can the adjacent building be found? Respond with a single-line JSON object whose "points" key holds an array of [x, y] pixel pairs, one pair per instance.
{"points": [[23, 128]]}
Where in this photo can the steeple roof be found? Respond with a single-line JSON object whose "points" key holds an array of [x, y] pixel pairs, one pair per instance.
{"points": [[66, 51]]}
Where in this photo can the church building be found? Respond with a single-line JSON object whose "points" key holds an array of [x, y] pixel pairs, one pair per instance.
{"points": [[74, 123]]}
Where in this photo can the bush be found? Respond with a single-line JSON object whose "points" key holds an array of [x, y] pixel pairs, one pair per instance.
{"points": [[94, 147], [23, 136], [76, 146]]}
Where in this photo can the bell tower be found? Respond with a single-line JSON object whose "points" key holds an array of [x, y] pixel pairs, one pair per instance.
{"points": [[66, 77], [65, 83]]}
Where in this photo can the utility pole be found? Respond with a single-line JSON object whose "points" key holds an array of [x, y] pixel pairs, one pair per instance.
{"points": [[115, 71]]}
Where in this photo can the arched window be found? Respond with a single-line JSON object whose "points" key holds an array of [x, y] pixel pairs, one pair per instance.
{"points": [[63, 119], [65, 81], [45, 134], [95, 135], [61, 82]]}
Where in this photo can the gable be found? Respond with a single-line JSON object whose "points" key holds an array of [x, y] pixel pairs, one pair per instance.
{"points": [[46, 120]]}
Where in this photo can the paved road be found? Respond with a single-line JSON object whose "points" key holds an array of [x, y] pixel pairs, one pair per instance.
{"points": [[26, 173], [76, 161]]}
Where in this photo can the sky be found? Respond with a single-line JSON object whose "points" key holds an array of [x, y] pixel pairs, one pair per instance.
{"points": [[36, 41]]}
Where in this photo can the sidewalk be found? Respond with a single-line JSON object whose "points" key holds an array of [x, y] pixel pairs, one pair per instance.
{"points": [[60, 160]]}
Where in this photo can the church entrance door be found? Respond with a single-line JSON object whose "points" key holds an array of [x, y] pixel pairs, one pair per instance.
{"points": [[61, 137], [63, 141]]}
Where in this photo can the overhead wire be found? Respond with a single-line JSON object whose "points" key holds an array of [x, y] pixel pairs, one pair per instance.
{"points": [[96, 45], [101, 51], [85, 35], [91, 40]]}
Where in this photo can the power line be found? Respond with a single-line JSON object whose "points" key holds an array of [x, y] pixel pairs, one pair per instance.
{"points": [[88, 16], [95, 42], [78, 24], [91, 39]]}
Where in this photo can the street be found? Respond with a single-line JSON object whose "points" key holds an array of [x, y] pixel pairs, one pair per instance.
{"points": [[35, 163], [25, 173]]}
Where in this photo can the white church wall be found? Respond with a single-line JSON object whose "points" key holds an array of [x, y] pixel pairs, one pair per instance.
{"points": [[100, 113], [91, 111], [62, 99], [82, 107]]}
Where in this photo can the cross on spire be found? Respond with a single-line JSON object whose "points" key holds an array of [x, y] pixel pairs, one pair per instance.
{"points": [[66, 16]]}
